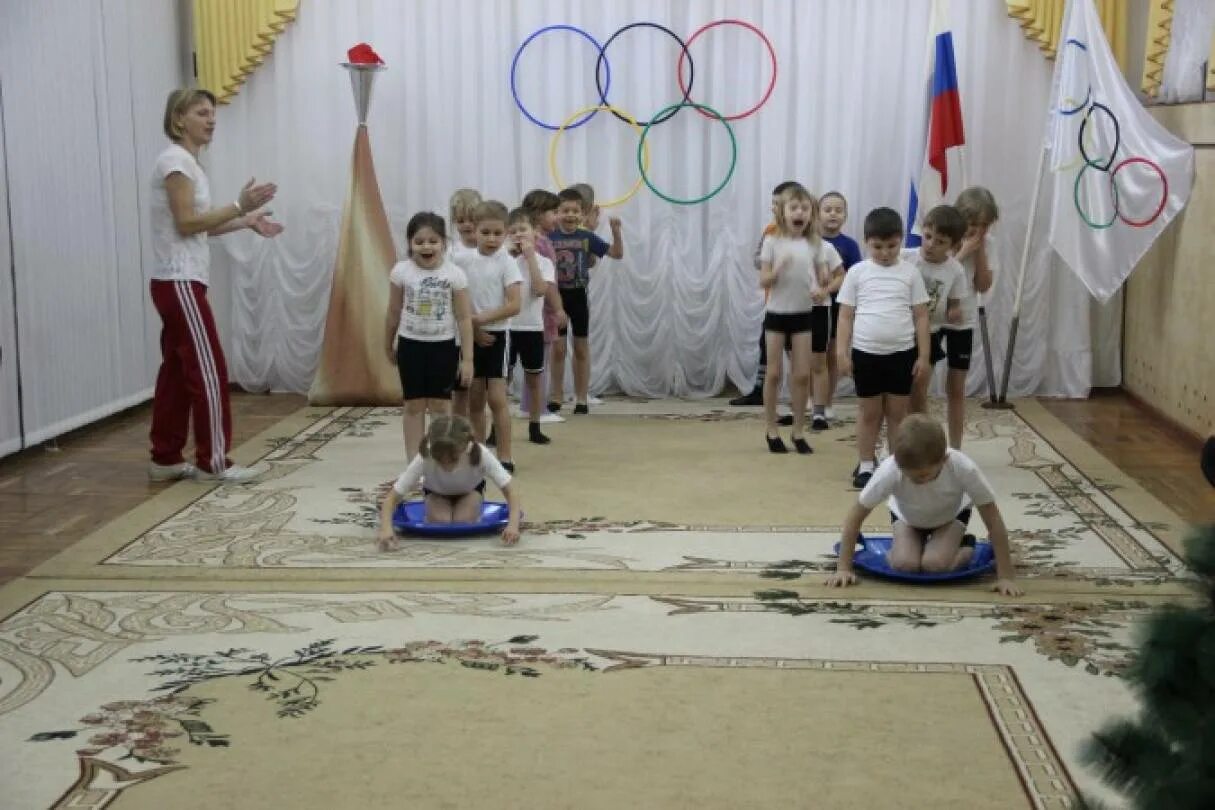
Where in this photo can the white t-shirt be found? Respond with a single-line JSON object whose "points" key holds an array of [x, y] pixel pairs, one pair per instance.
{"points": [[488, 278], [928, 506], [942, 281], [797, 280], [457, 250], [883, 298], [970, 301], [531, 314], [177, 257], [461, 480], [427, 312]]}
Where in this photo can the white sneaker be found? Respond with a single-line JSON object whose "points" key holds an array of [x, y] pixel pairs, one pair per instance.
{"points": [[171, 472], [235, 474], [551, 418], [592, 400]]}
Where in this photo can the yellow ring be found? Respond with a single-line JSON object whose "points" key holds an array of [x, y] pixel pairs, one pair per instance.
{"points": [[1078, 161], [552, 150]]}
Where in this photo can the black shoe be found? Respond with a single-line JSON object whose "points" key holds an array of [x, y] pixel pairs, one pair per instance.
{"points": [[535, 436], [861, 479], [775, 445], [756, 397], [802, 446], [819, 422], [786, 420], [509, 466], [1208, 460], [553, 407], [492, 439], [581, 408]]}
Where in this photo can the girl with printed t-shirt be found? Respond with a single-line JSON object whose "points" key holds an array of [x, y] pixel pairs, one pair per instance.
{"points": [[427, 307], [193, 377]]}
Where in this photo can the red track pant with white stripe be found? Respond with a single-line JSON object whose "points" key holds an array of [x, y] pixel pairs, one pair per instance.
{"points": [[193, 379]]}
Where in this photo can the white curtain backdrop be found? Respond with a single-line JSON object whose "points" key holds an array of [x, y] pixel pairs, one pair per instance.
{"points": [[681, 314], [84, 86], [10, 417], [1185, 65]]}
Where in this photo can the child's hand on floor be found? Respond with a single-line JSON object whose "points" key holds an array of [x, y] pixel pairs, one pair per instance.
{"points": [[510, 535], [1007, 587], [387, 541], [842, 579]]}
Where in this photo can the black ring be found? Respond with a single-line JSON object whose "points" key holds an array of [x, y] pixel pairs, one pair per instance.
{"points": [[1117, 137], [599, 63]]}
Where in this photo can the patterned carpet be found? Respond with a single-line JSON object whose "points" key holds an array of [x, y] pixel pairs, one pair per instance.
{"points": [[660, 638]]}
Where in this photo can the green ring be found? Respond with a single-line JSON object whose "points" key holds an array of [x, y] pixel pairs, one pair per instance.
{"points": [[662, 115], [1097, 226]]}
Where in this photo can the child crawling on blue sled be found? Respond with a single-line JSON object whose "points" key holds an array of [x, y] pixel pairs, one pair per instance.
{"points": [[452, 468], [931, 488]]}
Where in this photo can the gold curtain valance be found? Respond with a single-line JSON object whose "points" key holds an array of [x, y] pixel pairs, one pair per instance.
{"points": [[233, 37], [1043, 23]]}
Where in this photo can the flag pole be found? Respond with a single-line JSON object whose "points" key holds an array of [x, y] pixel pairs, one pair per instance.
{"points": [[1016, 316]]}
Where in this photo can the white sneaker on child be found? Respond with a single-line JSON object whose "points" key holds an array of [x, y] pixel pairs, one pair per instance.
{"points": [[171, 472], [551, 418]]}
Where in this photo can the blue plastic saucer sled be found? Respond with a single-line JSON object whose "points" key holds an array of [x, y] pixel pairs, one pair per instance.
{"points": [[871, 553], [410, 518]]}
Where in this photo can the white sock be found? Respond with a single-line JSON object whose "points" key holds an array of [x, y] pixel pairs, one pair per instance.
{"points": [[866, 467]]}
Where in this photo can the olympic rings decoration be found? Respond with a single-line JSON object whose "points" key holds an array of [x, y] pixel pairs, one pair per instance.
{"points": [[1164, 190], [514, 66], [1097, 226], [704, 109], [683, 51], [603, 80], [1107, 167], [622, 115], [1117, 137], [771, 57]]}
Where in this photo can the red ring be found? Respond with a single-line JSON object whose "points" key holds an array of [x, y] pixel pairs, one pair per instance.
{"points": [[1164, 194], [771, 56]]}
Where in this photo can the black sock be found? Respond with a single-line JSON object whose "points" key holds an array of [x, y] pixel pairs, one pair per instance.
{"points": [[534, 435]]}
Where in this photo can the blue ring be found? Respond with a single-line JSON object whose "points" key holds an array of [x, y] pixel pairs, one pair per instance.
{"points": [[1088, 95], [514, 64]]}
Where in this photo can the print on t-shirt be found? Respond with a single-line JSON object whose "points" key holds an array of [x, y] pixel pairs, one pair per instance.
{"points": [[572, 252], [428, 305]]}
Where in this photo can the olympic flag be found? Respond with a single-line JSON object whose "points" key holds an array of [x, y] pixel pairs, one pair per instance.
{"points": [[943, 123], [1117, 177]]}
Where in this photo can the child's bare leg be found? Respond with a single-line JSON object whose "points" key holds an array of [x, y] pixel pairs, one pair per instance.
{"points": [[868, 422], [894, 408], [499, 411], [467, 508], [556, 369], [459, 402], [438, 509], [535, 395], [833, 376], [799, 382], [476, 409], [582, 369], [955, 405], [413, 425], [918, 402], [438, 407], [941, 550], [906, 548], [776, 368]]}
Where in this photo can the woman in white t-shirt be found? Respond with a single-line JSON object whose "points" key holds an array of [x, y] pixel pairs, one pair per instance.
{"points": [[193, 377], [454, 467], [794, 271], [427, 307]]}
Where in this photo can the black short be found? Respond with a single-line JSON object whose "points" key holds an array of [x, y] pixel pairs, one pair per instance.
{"points": [[820, 329], [528, 347], [877, 374], [577, 309], [489, 362], [958, 343], [962, 517], [789, 323], [427, 367], [478, 488], [835, 316]]}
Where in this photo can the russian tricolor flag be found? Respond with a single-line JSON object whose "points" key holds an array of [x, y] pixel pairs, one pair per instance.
{"points": [[943, 123]]}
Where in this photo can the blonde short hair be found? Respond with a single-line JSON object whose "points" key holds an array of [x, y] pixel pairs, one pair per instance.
{"points": [[462, 203], [181, 100], [490, 210], [919, 443], [977, 206]]}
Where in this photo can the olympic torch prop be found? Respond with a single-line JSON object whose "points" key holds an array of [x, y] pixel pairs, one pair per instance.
{"points": [[353, 369]]}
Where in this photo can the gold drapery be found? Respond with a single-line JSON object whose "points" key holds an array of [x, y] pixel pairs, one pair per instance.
{"points": [[1043, 23], [233, 37]]}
